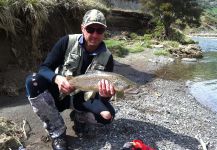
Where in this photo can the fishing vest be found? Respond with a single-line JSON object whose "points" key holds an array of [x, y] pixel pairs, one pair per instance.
{"points": [[74, 58]]}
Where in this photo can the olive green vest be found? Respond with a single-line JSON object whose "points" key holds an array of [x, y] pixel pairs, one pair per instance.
{"points": [[74, 56]]}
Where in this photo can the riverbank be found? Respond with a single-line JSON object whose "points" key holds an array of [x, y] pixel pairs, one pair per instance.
{"points": [[163, 114]]}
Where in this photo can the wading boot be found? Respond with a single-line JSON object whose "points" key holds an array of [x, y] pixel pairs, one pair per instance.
{"points": [[79, 123], [59, 143], [44, 106]]}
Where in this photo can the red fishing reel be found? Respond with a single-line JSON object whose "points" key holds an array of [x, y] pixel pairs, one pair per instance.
{"points": [[136, 145]]}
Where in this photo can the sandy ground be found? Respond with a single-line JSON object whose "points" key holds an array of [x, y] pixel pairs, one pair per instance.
{"points": [[163, 114]]}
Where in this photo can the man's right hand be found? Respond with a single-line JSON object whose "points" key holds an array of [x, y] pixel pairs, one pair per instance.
{"points": [[63, 84]]}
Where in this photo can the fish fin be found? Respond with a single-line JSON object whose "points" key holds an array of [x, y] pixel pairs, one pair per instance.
{"points": [[119, 94], [62, 95], [88, 95], [75, 92]]}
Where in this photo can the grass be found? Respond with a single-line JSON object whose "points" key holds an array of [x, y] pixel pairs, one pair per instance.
{"points": [[116, 47], [171, 44], [121, 48], [134, 44], [162, 52], [212, 11], [7, 20], [135, 47], [13, 13]]}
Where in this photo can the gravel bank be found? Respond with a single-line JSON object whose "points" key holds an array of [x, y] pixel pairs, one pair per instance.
{"points": [[163, 114]]}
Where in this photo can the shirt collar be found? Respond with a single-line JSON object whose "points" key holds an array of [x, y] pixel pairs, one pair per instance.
{"points": [[100, 48]]}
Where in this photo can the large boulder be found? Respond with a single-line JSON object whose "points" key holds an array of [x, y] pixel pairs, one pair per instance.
{"points": [[187, 51]]}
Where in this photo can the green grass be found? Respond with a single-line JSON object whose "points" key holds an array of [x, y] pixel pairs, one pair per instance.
{"points": [[169, 44], [121, 48], [116, 47], [212, 11], [135, 47], [162, 52]]}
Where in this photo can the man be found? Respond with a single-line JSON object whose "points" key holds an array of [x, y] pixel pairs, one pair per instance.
{"points": [[73, 55]]}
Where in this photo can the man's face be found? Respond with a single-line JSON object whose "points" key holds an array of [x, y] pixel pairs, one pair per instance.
{"points": [[93, 35]]}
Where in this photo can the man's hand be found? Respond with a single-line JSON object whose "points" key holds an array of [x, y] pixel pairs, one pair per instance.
{"points": [[106, 89], [63, 84]]}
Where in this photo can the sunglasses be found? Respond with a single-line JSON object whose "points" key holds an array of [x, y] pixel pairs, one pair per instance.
{"points": [[91, 30]]}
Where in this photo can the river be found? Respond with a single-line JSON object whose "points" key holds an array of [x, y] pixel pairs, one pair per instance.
{"points": [[200, 76]]}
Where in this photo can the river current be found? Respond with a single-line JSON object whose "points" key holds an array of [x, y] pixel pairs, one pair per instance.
{"points": [[200, 76]]}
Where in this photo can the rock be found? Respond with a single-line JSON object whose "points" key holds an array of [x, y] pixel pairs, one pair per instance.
{"points": [[162, 60], [157, 46], [189, 51], [189, 59]]}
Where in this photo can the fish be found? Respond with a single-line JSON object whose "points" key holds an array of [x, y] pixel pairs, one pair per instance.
{"points": [[89, 82]]}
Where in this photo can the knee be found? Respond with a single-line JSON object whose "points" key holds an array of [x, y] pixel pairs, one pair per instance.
{"points": [[34, 85], [106, 117]]}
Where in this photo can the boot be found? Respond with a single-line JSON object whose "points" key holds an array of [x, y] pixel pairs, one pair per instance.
{"points": [[84, 122], [79, 124], [59, 143], [44, 106]]}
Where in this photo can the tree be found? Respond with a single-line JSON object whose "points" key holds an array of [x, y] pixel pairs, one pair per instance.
{"points": [[168, 11]]}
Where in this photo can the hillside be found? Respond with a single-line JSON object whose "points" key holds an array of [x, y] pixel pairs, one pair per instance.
{"points": [[208, 17]]}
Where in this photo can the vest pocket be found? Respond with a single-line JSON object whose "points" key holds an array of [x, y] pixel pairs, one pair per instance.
{"points": [[71, 64]]}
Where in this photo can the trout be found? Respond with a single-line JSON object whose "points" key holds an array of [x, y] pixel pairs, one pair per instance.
{"points": [[89, 82]]}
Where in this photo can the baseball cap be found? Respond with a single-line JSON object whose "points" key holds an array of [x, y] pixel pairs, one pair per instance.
{"points": [[94, 16]]}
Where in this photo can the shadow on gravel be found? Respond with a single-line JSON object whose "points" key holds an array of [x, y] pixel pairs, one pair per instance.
{"points": [[124, 130], [133, 74]]}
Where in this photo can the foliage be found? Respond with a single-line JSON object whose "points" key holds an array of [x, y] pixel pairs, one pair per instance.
{"points": [[116, 47], [100, 4], [212, 11], [162, 52], [7, 21], [34, 13], [147, 37], [169, 44], [135, 47], [121, 48], [210, 16], [159, 32], [177, 35], [168, 11]]}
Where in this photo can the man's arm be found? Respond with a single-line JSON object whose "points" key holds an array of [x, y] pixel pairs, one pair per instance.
{"points": [[54, 59]]}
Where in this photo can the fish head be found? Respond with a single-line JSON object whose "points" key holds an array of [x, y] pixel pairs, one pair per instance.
{"points": [[126, 87], [132, 90]]}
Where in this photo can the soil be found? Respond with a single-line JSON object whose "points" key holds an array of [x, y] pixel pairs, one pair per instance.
{"points": [[163, 114]]}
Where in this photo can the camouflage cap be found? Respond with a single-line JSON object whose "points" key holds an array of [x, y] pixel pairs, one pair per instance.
{"points": [[94, 16]]}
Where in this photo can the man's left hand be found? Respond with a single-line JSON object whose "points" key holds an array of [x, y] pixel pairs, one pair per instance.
{"points": [[106, 89]]}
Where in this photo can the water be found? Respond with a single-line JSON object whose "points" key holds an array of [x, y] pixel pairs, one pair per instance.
{"points": [[201, 75], [207, 43]]}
